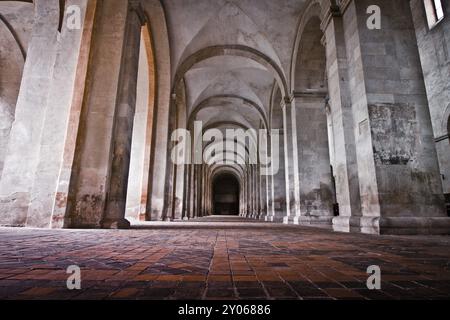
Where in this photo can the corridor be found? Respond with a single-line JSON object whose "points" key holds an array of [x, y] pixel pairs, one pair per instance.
{"points": [[220, 258]]}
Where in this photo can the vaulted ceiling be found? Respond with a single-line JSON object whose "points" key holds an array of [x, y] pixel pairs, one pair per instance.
{"points": [[230, 54], [234, 51]]}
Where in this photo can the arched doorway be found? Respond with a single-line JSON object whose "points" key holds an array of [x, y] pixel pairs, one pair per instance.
{"points": [[226, 195]]}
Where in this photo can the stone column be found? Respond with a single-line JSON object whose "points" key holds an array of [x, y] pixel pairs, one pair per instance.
{"points": [[254, 191], [124, 120], [399, 178], [263, 188], [142, 134], [243, 197], [186, 192], [62, 114], [345, 165], [191, 192], [179, 196], [200, 190], [270, 180], [170, 179], [249, 192], [259, 192], [24, 144], [245, 208], [316, 188], [12, 60], [291, 161], [96, 150], [279, 194]]}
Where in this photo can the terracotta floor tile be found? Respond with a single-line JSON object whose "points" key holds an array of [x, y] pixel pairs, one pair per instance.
{"points": [[215, 263]]}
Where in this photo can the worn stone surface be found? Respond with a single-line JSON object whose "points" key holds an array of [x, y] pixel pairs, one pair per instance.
{"points": [[434, 48], [16, 22]]}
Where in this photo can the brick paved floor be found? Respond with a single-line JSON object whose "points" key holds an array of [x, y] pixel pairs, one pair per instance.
{"points": [[254, 261]]}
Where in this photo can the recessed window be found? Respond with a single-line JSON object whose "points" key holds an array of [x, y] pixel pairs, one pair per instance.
{"points": [[435, 12]]}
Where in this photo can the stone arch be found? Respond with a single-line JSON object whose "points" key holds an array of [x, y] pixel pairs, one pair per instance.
{"points": [[233, 50], [310, 98], [313, 10], [245, 101]]}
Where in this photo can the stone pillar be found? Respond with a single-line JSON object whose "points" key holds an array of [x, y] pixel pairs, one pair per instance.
{"points": [[291, 162], [270, 183], [170, 179], [204, 197], [434, 50], [12, 60], [279, 194], [316, 189], [249, 191], [399, 179], [124, 120], [24, 144], [200, 190], [245, 204], [62, 113], [263, 189], [185, 210], [201, 194], [345, 165], [243, 197], [208, 191], [191, 191], [97, 155], [259, 192], [142, 133], [254, 192], [178, 201]]}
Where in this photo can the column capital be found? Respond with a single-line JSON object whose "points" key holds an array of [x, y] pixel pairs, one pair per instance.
{"points": [[334, 10], [286, 102], [309, 94]]}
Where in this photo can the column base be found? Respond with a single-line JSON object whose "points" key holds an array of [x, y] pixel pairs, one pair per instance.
{"points": [[316, 221], [14, 210], [116, 224], [393, 225], [274, 219]]}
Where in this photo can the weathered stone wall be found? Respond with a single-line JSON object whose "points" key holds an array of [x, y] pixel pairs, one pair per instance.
{"points": [[16, 22], [398, 169], [434, 49]]}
